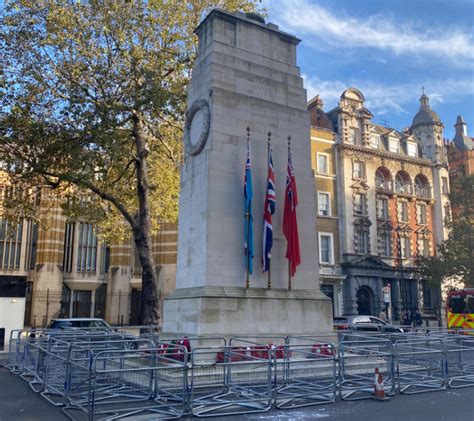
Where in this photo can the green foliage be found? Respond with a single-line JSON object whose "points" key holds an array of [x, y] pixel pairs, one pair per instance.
{"points": [[93, 95], [455, 257], [75, 76]]}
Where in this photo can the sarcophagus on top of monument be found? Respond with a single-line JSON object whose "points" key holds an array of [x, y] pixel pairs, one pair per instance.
{"points": [[245, 75]]}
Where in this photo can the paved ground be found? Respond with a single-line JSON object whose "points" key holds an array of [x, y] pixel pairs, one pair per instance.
{"points": [[19, 403]]}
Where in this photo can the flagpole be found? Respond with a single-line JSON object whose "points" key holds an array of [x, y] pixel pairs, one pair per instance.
{"points": [[247, 215], [269, 282], [289, 275], [289, 260]]}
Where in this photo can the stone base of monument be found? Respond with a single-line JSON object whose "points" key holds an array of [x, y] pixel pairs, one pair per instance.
{"points": [[229, 311]]}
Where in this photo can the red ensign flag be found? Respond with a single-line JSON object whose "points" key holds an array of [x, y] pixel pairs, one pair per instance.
{"points": [[290, 223]]}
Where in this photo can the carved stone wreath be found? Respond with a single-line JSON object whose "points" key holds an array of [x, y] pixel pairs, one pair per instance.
{"points": [[197, 147]]}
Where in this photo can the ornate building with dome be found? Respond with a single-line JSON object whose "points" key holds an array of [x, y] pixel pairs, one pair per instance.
{"points": [[391, 193], [460, 151]]}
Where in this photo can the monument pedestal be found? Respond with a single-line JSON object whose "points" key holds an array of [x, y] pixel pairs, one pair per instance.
{"points": [[228, 311]]}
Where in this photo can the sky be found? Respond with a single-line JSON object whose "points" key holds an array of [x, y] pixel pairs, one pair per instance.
{"points": [[389, 49]]}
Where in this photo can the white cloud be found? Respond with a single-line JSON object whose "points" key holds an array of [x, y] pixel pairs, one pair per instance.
{"points": [[384, 99], [377, 31]]}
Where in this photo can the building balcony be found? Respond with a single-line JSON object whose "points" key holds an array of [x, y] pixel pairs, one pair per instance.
{"points": [[384, 186], [422, 191], [330, 270], [403, 188], [88, 281]]}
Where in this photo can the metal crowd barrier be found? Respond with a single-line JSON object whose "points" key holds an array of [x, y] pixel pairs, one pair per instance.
{"points": [[113, 384], [16, 348], [357, 363], [420, 365], [304, 374], [114, 374], [230, 380], [63, 353], [459, 355]]}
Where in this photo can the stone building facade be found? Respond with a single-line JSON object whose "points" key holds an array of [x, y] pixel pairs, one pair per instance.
{"points": [[69, 272], [323, 159], [391, 194], [460, 152]]}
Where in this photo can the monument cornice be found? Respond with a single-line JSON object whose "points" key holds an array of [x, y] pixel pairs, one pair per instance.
{"points": [[241, 292], [241, 17]]}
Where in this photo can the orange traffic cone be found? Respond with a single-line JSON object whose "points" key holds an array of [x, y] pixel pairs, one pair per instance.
{"points": [[376, 378], [379, 390]]}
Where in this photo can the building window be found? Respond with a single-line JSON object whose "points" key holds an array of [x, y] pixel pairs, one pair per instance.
{"points": [[32, 245], [375, 141], [361, 240], [447, 213], [136, 266], [325, 249], [324, 207], [382, 181], [358, 170], [423, 247], [382, 208], [323, 164], [105, 259], [87, 248], [421, 213], [405, 252], [10, 244], [352, 138], [402, 211], [384, 242], [402, 184], [360, 204], [412, 149], [445, 187], [68, 247], [393, 145], [422, 187]]}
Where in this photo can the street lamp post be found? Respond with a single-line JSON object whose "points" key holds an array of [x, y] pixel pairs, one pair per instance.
{"points": [[400, 268]]}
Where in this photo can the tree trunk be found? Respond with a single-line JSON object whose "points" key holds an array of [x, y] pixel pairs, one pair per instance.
{"points": [[142, 231]]}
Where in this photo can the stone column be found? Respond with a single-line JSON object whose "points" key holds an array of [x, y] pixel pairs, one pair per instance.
{"points": [[48, 276]]}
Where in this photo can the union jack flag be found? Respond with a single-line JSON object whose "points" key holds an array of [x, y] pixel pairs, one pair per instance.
{"points": [[269, 210]]}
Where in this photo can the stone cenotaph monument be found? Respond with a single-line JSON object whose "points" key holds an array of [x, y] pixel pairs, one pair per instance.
{"points": [[245, 75]]}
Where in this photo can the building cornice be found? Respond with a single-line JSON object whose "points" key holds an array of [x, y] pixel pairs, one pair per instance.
{"points": [[386, 154]]}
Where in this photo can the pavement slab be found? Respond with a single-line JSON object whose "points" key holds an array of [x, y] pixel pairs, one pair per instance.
{"points": [[19, 403]]}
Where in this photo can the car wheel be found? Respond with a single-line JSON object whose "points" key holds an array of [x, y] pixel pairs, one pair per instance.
{"points": [[131, 345]]}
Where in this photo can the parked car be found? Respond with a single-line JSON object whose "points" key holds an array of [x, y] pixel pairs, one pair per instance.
{"points": [[94, 325], [364, 324]]}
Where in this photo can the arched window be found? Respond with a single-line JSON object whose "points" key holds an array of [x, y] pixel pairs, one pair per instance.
{"points": [[402, 183], [422, 186], [383, 179]]}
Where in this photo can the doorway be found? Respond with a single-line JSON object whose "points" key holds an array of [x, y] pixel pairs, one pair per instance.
{"points": [[364, 301]]}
